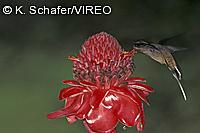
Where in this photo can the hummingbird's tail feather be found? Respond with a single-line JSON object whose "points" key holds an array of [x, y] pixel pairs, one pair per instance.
{"points": [[178, 73], [182, 90]]}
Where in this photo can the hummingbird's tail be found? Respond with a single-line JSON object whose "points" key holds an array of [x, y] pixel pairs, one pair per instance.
{"points": [[178, 73], [180, 85], [182, 90]]}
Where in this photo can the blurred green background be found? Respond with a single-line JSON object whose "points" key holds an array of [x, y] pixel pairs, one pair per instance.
{"points": [[33, 51]]}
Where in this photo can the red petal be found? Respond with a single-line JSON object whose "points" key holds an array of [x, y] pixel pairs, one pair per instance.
{"points": [[135, 79], [141, 94], [85, 107], [125, 55], [75, 105], [129, 111], [125, 91], [136, 98], [111, 101], [101, 120], [97, 97], [124, 104], [141, 122], [91, 131], [72, 58], [141, 87], [69, 91], [72, 105], [114, 80], [59, 113], [71, 82], [71, 119], [114, 131], [85, 83], [140, 126], [88, 128], [70, 101]]}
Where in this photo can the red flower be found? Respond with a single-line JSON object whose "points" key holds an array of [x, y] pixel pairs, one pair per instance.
{"points": [[102, 92]]}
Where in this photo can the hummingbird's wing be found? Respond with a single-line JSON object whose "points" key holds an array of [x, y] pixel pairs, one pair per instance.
{"points": [[171, 49], [165, 40], [174, 49]]}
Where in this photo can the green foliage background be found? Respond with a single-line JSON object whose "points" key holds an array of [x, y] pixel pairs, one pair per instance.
{"points": [[33, 51]]}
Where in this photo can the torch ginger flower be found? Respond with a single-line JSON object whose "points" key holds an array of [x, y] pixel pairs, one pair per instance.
{"points": [[102, 92]]}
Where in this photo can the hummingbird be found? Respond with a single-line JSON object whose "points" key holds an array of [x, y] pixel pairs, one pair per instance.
{"points": [[163, 55]]}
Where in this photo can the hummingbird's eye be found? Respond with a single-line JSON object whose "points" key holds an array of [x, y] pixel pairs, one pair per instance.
{"points": [[136, 44]]}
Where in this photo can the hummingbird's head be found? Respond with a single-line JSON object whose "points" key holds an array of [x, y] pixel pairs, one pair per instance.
{"points": [[139, 44]]}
